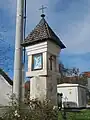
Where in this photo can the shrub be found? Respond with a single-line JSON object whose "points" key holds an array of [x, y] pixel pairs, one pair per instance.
{"points": [[31, 110]]}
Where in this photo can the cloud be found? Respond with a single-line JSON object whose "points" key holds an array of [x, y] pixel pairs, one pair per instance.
{"points": [[72, 24], [77, 38], [69, 19]]}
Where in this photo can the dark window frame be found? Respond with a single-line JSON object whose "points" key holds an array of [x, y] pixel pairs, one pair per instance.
{"points": [[41, 54]]}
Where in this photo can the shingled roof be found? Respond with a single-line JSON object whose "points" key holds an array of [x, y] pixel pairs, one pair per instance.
{"points": [[42, 32]]}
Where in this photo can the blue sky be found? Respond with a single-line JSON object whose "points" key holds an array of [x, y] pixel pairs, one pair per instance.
{"points": [[70, 19]]}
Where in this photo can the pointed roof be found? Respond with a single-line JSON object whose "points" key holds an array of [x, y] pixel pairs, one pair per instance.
{"points": [[42, 32]]}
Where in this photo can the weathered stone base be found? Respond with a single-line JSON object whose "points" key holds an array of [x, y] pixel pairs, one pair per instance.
{"points": [[42, 88]]}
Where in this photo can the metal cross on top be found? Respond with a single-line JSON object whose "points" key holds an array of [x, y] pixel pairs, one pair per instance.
{"points": [[42, 9]]}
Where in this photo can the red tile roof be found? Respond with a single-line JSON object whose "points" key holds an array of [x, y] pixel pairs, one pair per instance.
{"points": [[87, 74], [41, 33]]}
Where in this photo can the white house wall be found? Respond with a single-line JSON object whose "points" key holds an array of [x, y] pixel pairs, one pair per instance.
{"points": [[69, 94], [5, 91], [74, 93]]}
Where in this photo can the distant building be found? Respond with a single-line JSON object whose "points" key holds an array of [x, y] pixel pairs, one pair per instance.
{"points": [[74, 95]]}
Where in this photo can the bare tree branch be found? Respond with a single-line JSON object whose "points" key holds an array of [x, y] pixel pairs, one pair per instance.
{"points": [[6, 53], [72, 75]]}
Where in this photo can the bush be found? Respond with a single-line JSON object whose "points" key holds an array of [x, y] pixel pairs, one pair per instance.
{"points": [[31, 110]]}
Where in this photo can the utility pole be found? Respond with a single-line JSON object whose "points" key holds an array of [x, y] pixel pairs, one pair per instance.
{"points": [[18, 58]]}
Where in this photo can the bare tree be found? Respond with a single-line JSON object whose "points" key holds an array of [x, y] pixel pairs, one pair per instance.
{"points": [[72, 75], [6, 52]]}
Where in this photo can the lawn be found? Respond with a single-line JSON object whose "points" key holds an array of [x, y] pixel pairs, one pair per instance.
{"points": [[82, 115]]}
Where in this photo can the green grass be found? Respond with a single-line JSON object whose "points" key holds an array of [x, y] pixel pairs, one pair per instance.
{"points": [[82, 115]]}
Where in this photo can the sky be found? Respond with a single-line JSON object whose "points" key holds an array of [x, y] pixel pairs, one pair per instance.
{"points": [[69, 19]]}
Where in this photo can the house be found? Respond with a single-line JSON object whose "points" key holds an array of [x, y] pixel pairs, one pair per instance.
{"points": [[6, 85], [5, 88], [73, 95]]}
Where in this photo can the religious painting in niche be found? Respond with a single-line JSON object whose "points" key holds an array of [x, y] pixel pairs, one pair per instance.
{"points": [[37, 62]]}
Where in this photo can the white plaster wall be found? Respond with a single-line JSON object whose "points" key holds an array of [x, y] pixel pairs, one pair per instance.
{"points": [[43, 71], [44, 87], [82, 96], [48, 48], [38, 87], [53, 48], [5, 91], [78, 93], [42, 47], [70, 94], [39, 48]]}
